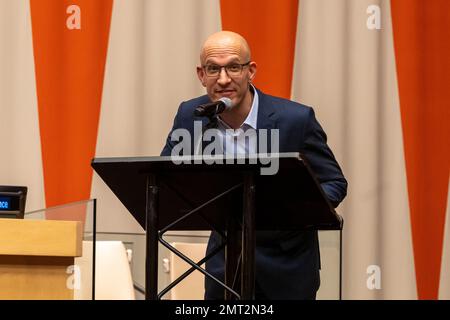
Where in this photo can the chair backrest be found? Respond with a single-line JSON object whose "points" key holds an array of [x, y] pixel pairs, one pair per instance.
{"points": [[192, 287], [113, 279]]}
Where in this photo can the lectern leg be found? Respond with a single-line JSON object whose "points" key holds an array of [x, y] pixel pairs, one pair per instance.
{"points": [[232, 251], [151, 261], [248, 240]]}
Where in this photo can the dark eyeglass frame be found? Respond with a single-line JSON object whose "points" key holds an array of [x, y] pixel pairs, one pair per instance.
{"points": [[241, 65]]}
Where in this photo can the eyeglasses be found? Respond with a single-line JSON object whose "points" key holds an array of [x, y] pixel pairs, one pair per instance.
{"points": [[232, 69]]}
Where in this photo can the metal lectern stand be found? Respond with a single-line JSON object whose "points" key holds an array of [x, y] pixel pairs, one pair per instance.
{"points": [[230, 198]]}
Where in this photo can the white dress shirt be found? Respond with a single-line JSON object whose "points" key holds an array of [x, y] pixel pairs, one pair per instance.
{"points": [[242, 140]]}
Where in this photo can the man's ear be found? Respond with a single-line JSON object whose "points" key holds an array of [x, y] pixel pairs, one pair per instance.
{"points": [[201, 76], [252, 67]]}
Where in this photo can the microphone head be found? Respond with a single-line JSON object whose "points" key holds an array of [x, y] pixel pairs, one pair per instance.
{"points": [[227, 102]]}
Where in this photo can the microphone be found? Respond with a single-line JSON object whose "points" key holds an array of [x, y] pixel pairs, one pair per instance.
{"points": [[213, 108]]}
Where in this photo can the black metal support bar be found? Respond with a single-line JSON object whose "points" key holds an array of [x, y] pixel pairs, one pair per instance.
{"points": [[192, 205], [189, 271], [194, 265], [170, 226], [248, 239], [232, 251], [151, 228]]}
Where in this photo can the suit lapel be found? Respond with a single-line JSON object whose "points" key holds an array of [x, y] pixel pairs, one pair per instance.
{"points": [[267, 118], [204, 120]]}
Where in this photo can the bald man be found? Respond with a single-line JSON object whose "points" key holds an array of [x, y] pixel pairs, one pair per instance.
{"points": [[287, 263]]}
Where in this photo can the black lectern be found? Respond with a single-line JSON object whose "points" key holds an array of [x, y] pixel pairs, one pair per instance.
{"points": [[235, 197]]}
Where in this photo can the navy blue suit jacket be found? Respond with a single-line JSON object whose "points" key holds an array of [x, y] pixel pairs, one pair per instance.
{"points": [[287, 263]]}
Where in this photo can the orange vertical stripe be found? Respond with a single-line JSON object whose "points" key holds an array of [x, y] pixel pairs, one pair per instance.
{"points": [[270, 28], [422, 48], [69, 66]]}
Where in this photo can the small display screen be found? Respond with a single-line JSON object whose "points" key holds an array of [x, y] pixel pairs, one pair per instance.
{"points": [[12, 201], [5, 203]]}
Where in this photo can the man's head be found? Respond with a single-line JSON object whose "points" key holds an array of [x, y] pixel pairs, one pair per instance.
{"points": [[230, 50]]}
